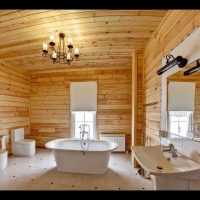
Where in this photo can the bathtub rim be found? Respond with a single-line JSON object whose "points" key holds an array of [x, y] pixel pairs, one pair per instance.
{"points": [[68, 139]]}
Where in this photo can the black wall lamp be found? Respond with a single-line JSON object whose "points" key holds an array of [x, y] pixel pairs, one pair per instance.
{"points": [[179, 60], [192, 70]]}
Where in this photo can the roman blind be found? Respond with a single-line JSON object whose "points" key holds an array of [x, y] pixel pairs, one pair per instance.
{"points": [[181, 96], [83, 96]]}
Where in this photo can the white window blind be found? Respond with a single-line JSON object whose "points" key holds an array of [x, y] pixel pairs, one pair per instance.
{"points": [[83, 96], [181, 96]]}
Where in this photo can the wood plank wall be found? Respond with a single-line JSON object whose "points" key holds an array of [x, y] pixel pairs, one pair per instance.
{"points": [[173, 28], [14, 101], [140, 102], [50, 103]]}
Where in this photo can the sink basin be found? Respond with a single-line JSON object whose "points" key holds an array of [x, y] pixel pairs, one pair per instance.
{"points": [[155, 162]]}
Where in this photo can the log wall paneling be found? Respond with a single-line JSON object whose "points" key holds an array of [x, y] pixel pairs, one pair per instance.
{"points": [[14, 101], [174, 27], [50, 106], [139, 119], [106, 39]]}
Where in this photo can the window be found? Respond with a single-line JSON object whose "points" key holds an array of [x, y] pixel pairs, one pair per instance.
{"points": [[180, 122], [86, 118]]}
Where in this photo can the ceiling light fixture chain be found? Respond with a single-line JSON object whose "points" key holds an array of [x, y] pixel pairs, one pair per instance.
{"points": [[63, 54]]}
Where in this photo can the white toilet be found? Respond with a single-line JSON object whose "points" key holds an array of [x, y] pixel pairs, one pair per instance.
{"points": [[21, 146], [3, 153], [3, 159]]}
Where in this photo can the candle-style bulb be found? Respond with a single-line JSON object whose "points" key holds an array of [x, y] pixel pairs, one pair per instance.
{"points": [[45, 46], [52, 38], [54, 55], [70, 41], [68, 56], [76, 51]]}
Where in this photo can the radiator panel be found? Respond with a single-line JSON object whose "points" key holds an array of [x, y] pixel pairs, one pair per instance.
{"points": [[118, 138]]}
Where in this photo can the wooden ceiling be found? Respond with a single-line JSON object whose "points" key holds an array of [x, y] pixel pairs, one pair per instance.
{"points": [[105, 37]]}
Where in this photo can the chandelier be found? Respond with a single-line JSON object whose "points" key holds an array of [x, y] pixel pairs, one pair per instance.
{"points": [[61, 54]]}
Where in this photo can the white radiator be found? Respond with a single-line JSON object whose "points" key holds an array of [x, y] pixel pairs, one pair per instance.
{"points": [[118, 138]]}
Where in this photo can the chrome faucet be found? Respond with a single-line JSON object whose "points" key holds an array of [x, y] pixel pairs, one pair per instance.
{"points": [[170, 149], [83, 131], [84, 141]]}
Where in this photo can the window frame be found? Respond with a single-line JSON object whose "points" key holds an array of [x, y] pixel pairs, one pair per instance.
{"points": [[72, 132], [178, 121]]}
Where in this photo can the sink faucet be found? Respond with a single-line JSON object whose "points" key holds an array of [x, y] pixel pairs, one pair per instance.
{"points": [[171, 149]]}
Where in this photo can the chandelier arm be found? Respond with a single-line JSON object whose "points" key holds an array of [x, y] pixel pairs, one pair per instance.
{"points": [[58, 59], [53, 49], [64, 51]]}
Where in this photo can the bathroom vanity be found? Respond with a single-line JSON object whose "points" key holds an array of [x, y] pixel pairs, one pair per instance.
{"points": [[167, 172]]}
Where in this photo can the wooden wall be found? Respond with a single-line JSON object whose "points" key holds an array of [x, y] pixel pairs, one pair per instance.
{"points": [[140, 102], [50, 104], [49, 101], [14, 100], [173, 28]]}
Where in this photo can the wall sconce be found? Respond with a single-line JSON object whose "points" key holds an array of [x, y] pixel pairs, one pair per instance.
{"points": [[179, 60], [192, 70]]}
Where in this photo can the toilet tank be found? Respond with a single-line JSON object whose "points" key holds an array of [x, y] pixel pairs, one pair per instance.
{"points": [[17, 134]]}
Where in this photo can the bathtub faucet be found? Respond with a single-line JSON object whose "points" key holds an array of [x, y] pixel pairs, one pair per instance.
{"points": [[83, 131], [84, 141]]}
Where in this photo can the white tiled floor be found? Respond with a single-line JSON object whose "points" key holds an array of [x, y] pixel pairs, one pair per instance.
{"points": [[39, 173]]}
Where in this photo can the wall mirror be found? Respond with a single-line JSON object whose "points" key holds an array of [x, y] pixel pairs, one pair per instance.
{"points": [[183, 103]]}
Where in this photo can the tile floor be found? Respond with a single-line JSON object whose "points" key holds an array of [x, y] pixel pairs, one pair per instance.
{"points": [[39, 173]]}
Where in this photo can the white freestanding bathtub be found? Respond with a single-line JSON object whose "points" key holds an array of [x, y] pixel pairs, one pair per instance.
{"points": [[70, 157]]}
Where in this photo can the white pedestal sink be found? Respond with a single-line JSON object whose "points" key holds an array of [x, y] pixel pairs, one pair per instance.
{"points": [[167, 172]]}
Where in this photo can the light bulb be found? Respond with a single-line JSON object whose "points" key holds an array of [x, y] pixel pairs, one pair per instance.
{"points": [[70, 41], [52, 38], [54, 55], [76, 51], [68, 56], [45, 46]]}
